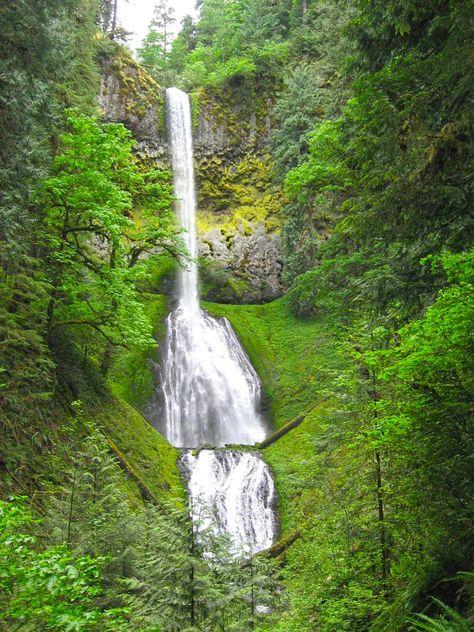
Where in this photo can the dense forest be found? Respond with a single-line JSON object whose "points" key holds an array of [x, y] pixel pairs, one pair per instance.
{"points": [[359, 157]]}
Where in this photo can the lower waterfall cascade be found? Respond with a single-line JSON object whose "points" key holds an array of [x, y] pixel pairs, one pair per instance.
{"points": [[210, 392], [238, 489]]}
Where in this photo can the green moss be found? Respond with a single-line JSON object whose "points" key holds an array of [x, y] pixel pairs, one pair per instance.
{"points": [[297, 362], [139, 90], [230, 194], [236, 184], [290, 459], [131, 374], [161, 271], [239, 287], [243, 112], [292, 356], [152, 458], [195, 98]]}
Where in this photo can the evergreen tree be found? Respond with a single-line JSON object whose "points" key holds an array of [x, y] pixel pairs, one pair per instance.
{"points": [[155, 51], [47, 587]]}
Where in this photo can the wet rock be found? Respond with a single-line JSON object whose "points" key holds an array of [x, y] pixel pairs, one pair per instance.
{"points": [[252, 261]]}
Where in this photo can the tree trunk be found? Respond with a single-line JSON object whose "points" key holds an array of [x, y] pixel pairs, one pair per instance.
{"points": [[384, 552]]}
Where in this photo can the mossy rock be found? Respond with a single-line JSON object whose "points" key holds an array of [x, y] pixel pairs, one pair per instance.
{"points": [[228, 192], [138, 89]]}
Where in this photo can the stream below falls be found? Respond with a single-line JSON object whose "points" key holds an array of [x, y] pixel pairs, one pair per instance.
{"points": [[209, 391]]}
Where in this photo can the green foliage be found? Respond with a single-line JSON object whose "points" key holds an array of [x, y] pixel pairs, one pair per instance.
{"points": [[313, 94], [95, 246], [155, 49], [449, 620], [399, 163], [26, 367], [296, 111], [277, 344], [36, 39], [169, 574], [129, 436], [49, 588], [231, 41], [188, 580], [378, 479], [132, 370], [332, 573], [395, 437]]}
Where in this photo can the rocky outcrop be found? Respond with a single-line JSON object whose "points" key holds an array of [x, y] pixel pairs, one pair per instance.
{"points": [[252, 260], [228, 125], [130, 96], [238, 206]]}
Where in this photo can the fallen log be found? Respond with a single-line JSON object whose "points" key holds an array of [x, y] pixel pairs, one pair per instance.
{"points": [[291, 425], [146, 494]]}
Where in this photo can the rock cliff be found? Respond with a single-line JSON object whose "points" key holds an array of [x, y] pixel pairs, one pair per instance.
{"points": [[239, 215]]}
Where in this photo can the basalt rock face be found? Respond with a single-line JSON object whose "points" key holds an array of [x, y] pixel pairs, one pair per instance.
{"points": [[240, 267], [229, 124], [239, 217], [240, 209], [130, 96]]}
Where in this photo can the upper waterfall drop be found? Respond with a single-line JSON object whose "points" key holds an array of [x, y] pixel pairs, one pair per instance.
{"points": [[210, 390], [181, 142]]}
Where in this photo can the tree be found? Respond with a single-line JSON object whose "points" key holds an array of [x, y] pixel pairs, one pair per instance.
{"points": [[187, 579], [95, 248], [47, 588], [47, 55], [36, 39], [156, 47], [404, 191], [161, 23], [296, 112], [26, 367], [107, 18]]}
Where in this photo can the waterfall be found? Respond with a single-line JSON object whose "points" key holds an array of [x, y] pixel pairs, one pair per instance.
{"points": [[209, 389], [237, 497]]}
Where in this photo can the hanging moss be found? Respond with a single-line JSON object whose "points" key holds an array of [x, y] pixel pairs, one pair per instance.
{"points": [[240, 192]]}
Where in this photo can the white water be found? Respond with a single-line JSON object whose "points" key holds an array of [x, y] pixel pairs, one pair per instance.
{"points": [[210, 390], [236, 497]]}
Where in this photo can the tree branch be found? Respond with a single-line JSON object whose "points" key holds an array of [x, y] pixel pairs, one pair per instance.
{"points": [[88, 323]]}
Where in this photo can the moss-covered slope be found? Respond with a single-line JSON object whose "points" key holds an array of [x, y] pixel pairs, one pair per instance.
{"points": [[294, 357], [147, 458], [299, 364]]}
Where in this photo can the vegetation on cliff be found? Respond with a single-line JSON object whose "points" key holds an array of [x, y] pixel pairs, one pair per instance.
{"points": [[362, 111]]}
